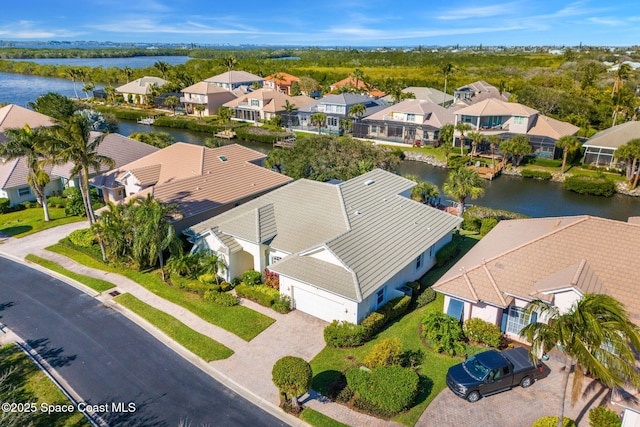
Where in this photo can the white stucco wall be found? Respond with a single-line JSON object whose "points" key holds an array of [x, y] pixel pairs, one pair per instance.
{"points": [[339, 308], [564, 300], [488, 313]]}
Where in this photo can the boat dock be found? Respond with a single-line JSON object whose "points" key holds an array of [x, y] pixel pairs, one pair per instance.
{"points": [[146, 121], [285, 143], [226, 134], [484, 167]]}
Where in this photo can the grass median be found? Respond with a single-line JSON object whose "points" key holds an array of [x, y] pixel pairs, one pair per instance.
{"points": [[97, 285], [201, 345], [239, 320]]}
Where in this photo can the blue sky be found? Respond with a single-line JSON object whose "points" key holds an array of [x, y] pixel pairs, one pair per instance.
{"points": [[326, 23]]}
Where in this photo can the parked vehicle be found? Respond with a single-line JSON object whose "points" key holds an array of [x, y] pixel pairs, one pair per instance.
{"points": [[492, 372]]}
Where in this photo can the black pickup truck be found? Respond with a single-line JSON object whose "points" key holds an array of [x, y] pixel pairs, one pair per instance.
{"points": [[492, 372]]}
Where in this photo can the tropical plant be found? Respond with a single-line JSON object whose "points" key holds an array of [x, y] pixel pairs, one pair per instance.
{"points": [[476, 138], [567, 143], [212, 263], [114, 229], [629, 154], [423, 191], [29, 144], [111, 94], [73, 73], [387, 352], [494, 141], [320, 120], [596, 336], [358, 76], [128, 72], [601, 416], [200, 109], [163, 67], [357, 111], [274, 159], [88, 88], [229, 62], [172, 102], [520, 147], [289, 108], [446, 70], [292, 375], [443, 332], [622, 74], [224, 114], [156, 139], [54, 105], [462, 183], [462, 128]]}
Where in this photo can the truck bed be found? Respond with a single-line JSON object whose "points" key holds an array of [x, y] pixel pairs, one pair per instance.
{"points": [[519, 358]]}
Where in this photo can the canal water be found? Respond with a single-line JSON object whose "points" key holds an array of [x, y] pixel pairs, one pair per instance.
{"points": [[131, 62]]}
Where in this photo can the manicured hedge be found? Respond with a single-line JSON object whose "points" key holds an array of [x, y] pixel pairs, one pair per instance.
{"points": [[589, 185], [83, 237], [426, 297], [261, 294], [482, 332], [391, 389], [447, 252], [487, 225], [530, 173], [221, 298], [252, 277], [343, 334]]}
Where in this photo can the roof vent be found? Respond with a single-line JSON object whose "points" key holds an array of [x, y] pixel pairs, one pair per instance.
{"points": [[222, 158], [369, 182], [357, 212]]}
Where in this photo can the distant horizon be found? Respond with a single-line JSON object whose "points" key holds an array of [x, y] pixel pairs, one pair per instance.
{"points": [[352, 23]]}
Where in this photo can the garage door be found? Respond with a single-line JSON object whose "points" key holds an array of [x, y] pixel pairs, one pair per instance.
{"points": [[316, 305]]}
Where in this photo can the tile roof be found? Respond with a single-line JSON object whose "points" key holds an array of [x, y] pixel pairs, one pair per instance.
{"points": [[204, 88], [13, 173], [272, 100], [615, 136], [141, 86], [530, 258], [496, 107], [434, 114], [199, 179], [350, 81], [236, 77], [364, 223], [14, 117], [546, 126], [429, 94], [284, 79]]}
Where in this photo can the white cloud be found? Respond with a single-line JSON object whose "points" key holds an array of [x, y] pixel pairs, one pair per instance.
{"points": [[460, 13], [35, 30], [613, 22]]}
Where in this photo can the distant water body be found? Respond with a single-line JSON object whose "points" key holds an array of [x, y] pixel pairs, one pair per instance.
{"points": [[132, 62], [20, 90]]}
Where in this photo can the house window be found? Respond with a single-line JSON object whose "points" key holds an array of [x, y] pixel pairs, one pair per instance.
{"points": [[518, 318], [24, 191], [431, 250], [467, 119], [518, 120], [419, 261], [455, 308], [275, 259], [380, 297], [332, 121], [374, 129], [254, 102], [411, 117]]}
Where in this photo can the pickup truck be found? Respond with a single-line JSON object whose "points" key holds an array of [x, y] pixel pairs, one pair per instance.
{"points": [[492, 372]]}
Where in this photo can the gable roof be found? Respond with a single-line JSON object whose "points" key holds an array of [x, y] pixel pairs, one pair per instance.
{"points": [[479, 91], [552, 128], [496, 107], [346, 99], [272, 100], [615, 136], [13, 173], [350, 81], [364, 224], [204, 88], [433, 114], [285, 79], [14, 117], [141, 86], [234, 77], [198, 178], [531, 258], [429, 94]]}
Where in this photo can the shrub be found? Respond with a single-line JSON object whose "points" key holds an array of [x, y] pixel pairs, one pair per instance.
{"points": [[30, 205], [471, 224], [388, 352], [292, 375], [221, 298], [83, 237], [225, 286], [282, 304], [482, 332], [235, 282], [550, 421], [545, 162], [343, 334], [338, 390], [531, 173], [271, 279], [57, 201], [443, 333], [415, 287], [603, 417], [4, 205], [75, 205], [207, 278], [391, 389], [258, 293], [447, 252], [373, 323], [588, 185], [252, 277], [426, 297], [487, 225]]}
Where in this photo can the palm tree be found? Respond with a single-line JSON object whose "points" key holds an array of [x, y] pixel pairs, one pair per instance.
{"points": [[446, 69], [172, 102], [163, 67], [358, 76], [212, 263], [462, 128], [622, 74], [520, 148], [114, 230], [462, 183], [73, 73], [229, 61], [567, 143], [277, 77], [27, 143], [128, 72], [320, 120], [494, 141], [289, 108], [200, 109], [88, 88], [476, 138], [71, 142], [111, 94], [629, 153], [596, 336], [424, 191], [357, 111]]}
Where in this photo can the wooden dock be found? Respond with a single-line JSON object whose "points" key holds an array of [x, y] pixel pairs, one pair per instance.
{"points": [[485, 169], [285, 143], [226, 134]]}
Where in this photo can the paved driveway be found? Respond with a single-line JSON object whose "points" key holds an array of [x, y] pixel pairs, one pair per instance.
{"points": [[517, 407]]}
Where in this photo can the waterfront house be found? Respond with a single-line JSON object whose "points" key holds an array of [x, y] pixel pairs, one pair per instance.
{"points": [[235, 79], [264, 104], [556, 260], [280, 82], [476, 92], [202, 182], [410, 121], [139, 90], [341, 253], [210, 96], [336, 108], [15, 117], [506, 119], [600, 149], [351, 85], [426, 94]]}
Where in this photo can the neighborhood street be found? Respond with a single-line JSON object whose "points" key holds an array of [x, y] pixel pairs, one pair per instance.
{"points": [[107, 359]]}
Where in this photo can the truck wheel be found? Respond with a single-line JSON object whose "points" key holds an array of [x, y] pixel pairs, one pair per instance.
{"points": [[474, 396], [526, 382]]}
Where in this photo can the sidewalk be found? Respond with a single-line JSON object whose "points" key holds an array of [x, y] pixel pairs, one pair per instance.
{"points": [[248, 370]]}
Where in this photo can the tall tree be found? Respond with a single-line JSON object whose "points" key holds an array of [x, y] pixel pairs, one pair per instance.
{"points": [[567, 143], [200, 109], [596, 336], [494, 141], [172, 102], [521, 147], [622, 74], [358, 76], [462, 183], [128, 72], [320, 120], [28, 143], [446, 70], [424, 191], [163, 67], [629, 153], [88, 88], [289, 108], [476, 138], [229, 62], [357, 111], [462, 128], [72, 73], [54, 105]]}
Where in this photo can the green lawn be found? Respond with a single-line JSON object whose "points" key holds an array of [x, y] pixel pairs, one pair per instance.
{"points": [[239, 320], [97, 285], [197, 343], [32, 385], [318, 419], [330, 362], [576, 170], [29, 221]]}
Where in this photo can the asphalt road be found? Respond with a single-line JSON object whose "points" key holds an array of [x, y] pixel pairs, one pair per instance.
{"points": [[108, 359]]}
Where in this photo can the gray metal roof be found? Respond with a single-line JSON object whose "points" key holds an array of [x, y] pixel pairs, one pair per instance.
{"points": [[616, 136]]}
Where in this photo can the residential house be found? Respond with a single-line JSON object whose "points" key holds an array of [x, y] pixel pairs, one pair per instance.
{"points": [[476, 92], [410, 121], [264, 104], [280, 82], [506, 119], [426, 94], [208, 95], [202, 182], [15, 117], [600, 149], [336, 108], [139, 90], [359, 86], [235, 79], [556, 260], [339, 254]]}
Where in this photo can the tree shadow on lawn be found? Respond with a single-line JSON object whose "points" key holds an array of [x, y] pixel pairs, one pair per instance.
{"points": [[323, 380], [425, 388], [16, 230]]}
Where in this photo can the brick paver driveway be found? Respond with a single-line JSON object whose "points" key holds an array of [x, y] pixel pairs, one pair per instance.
{"points": [[518, 407]]}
